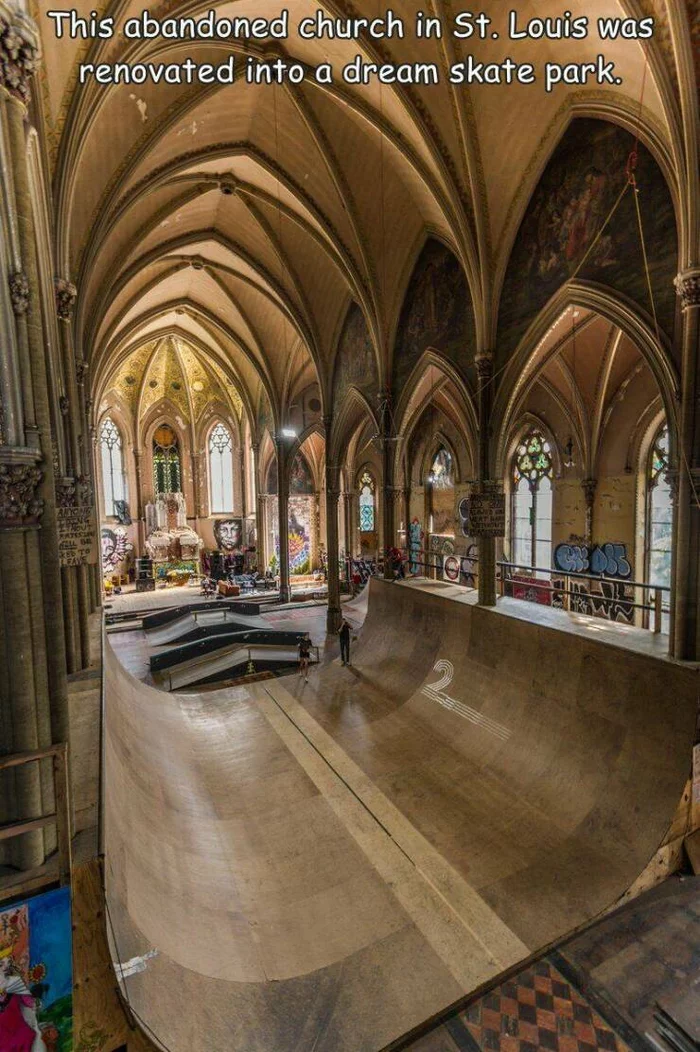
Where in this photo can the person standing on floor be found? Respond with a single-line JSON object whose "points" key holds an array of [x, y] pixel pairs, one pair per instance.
{"points": [[344, 634], [304, 655]]}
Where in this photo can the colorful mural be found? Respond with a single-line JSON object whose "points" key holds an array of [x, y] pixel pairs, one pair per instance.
{"points": [[299, 535], [436, 313], [577, 191], [228, 534], [355, 363], [300, 508], [36, 974]]}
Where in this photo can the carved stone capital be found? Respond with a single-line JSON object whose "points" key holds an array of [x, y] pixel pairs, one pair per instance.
{"points": [[63, 405], [81, 370], [66, 295], [19, 54], [688, 288], [19, 503], [484, 364], [19, 292]]}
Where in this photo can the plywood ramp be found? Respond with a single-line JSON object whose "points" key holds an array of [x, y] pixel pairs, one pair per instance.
{"points": [[324, 865]]}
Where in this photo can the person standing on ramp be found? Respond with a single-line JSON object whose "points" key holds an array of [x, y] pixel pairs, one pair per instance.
{"points": [[344, 634]]}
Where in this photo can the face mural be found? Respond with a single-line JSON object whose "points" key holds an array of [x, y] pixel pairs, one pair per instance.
{"points": [[36, 981], [115, 547], [228, 534]]}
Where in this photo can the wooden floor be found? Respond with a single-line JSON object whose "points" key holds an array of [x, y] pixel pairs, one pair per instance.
{"points": [[325, 865]]}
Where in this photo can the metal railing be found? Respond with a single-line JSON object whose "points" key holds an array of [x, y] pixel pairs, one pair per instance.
{"points": [[597, 603], [609, 597]]}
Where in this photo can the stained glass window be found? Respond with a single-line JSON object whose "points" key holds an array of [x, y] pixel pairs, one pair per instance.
{"points": [[659, 518], [531, 503], [221, 469], [167, 476], [366, 503], [113, 487]]}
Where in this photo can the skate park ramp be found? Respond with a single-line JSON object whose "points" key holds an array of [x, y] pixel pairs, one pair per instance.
{"points": [[325, 865]]}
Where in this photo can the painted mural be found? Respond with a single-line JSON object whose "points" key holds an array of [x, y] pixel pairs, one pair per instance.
{"points": [[116, 548], [300, 508], [299, 535], [36, 974], [355, 363], [436, 313], [228, 534], [300, 477], [564, 218]]}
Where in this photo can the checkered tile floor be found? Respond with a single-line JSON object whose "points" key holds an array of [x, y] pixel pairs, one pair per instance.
{"points": [[537, 1009]]}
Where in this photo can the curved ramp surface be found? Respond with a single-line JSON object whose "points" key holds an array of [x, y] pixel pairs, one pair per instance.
{"points": [[328, 870]]}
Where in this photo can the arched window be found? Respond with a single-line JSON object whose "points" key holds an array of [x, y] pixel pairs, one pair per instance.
{"points": [[531, 507], [659, 518], [221, 469], [367, 515], [167, 475], [113, 487]]}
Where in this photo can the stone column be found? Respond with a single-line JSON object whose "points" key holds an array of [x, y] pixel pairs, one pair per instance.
{"points": [[244, 497], [18, 61], [685, 643], [283, 515], [486, 545], [333, 617], [347, 520], [25, 717], [589, 487], [388, 446]]}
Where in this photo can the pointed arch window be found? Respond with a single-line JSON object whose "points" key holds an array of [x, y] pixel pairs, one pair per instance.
{"points": [[221, 469], [111, 452], [659, 531], [531, 502], [167, 474], [367, 503]]}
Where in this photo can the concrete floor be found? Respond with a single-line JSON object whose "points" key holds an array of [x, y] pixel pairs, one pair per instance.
{"points": [[325, 865]]}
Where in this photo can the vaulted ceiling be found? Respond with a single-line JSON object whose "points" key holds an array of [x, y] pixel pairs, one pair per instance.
{"points": [[243, 220]]}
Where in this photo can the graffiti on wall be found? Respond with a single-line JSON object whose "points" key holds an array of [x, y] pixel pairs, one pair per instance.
{"points": [[604, 560]]}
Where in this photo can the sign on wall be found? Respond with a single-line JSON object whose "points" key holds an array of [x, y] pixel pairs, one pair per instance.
{"points": [[483, 512]]}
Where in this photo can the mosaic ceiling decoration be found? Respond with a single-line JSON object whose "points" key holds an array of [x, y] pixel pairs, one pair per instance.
{"points": [[172, 368]]}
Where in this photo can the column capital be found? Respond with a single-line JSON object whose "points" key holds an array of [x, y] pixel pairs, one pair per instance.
{"points": [[19, 291], [20, 477], [19, 52], [66, 295], [688, 287], [483, 360]]}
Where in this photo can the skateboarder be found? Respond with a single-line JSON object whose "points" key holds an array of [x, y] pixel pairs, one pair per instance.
{"points": [[344, 634]]}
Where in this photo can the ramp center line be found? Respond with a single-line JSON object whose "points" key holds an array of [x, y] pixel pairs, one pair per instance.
{"points": [[477, 920]]}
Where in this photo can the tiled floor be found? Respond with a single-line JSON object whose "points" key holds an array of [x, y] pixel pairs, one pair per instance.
{"points": [[599, 991], [537, 1009]]}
